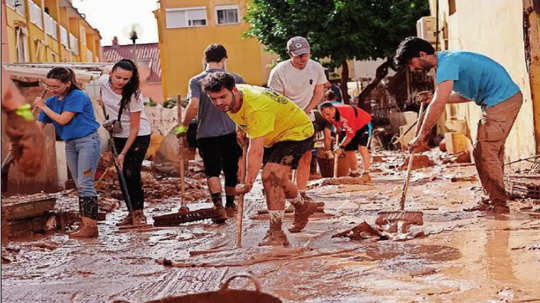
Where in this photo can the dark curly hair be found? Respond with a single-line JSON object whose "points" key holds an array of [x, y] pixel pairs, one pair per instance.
{"points": [[214, 82], [215, 53], [410, 48]]}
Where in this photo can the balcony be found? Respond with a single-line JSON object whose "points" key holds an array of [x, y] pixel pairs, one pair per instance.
{"points": [[35, 14], [73, 44], [50, 26], [17, 5], [64, 36]]}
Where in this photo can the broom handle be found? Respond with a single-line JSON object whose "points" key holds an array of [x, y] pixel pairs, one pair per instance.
{"points": [[181, 152], [335, 171], [411, 158], [240, 210]]}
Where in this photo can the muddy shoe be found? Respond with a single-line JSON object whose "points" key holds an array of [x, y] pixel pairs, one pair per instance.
{"points": [[88, 229], [365, 177], [222, 216], [231, 211], [139, 218], [305, 196], [481, 206], [301, 216], [274, 237], [354, 174], [500, 209], [128, 220]]}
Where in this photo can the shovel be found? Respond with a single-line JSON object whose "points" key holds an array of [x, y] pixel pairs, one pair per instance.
{"points": [[410, 217]]}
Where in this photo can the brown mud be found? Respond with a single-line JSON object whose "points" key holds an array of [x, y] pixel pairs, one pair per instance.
{"points": [[464, 256]]}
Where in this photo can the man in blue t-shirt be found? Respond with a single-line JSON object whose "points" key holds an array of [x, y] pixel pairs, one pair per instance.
{"points": [[216, 133], [462, 77]]}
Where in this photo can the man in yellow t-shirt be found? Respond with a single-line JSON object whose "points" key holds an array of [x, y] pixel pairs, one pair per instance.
{"points": [[280, 133]]}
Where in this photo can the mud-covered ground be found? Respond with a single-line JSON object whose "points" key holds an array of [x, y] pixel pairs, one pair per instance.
{"points": [[464, 257]]}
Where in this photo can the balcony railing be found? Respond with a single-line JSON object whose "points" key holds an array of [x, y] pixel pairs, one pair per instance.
{"points": [[73, 44], [35, 14], [50, 26], [64, 36]]}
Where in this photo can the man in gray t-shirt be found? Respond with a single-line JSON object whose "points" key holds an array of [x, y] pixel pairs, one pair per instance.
{"points": [[301, 80], [216, 133]]}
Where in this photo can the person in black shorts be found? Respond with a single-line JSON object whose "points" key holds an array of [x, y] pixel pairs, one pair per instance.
{"points": [[216, 135]]}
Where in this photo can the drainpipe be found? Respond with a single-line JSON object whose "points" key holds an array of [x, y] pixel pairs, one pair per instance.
{"points": [[531, 37], [437, 26]]}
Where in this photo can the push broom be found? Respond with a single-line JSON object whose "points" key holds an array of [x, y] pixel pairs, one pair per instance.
{"points": [[410, 217]]}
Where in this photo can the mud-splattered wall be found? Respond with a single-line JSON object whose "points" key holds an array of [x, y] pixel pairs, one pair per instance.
{"points": [[493, 28]]}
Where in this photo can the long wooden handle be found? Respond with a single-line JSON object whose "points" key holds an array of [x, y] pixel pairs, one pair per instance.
{"points": [[336, 158], [411, 159], [240, 207], [181, 154]]}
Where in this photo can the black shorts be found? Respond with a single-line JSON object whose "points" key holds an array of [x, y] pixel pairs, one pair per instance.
{"points": [[360, 139], [287, 152], [221, 153]]}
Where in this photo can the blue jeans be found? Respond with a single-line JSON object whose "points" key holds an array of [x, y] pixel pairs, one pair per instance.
{"points": [[82, 155]]}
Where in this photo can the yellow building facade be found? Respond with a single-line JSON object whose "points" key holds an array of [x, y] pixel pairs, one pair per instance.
{"points": [[49, 31], [187, 27]]}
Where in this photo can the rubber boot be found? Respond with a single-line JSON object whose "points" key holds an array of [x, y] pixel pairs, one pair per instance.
{"points": [[128, 220], [88, 229], [89, 211], [301, 215], [138, 217], [275, 237]]}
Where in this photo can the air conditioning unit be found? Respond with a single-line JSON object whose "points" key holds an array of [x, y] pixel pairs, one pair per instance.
{"points": [[426, 28]]}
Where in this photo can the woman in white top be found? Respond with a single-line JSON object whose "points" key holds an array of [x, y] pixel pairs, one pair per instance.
{"points": [[122, 98]]}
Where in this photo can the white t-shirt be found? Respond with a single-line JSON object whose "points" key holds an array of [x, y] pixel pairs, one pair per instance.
{"points": [[297, 84], [111, 100]]}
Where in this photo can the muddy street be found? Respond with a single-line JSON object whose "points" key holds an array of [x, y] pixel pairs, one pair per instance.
{"points": [[463, 257]]}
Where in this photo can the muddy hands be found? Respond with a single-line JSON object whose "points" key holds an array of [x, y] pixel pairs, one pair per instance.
{"points": [[27, 140]]}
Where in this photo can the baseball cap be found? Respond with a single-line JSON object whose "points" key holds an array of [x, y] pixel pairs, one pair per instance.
{"points": [[298, 46]]}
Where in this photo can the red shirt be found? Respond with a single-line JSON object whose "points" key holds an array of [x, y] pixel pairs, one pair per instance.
{"points": [[349, 119]]}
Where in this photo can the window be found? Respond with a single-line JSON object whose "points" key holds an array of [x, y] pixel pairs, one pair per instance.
{"points": [[227, 14], [185, 17], [21, 41], [17, 5]]}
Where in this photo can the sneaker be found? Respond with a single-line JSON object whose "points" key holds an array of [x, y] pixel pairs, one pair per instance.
{"points": [[274, 237], [483, 205], [139, 218], [365, 177], [354, 174], [128, 220], [222, 216], [231, 210], [305, 196], [301, 215], [500, 209]]}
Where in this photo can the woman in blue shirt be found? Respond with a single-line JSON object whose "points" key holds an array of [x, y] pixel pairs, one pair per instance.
{"points": [[71, 113]]}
